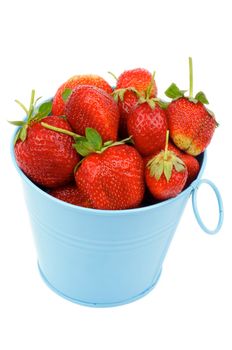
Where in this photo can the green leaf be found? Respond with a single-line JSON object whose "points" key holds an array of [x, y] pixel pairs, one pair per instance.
{"points": [[151, 103], [156, 160], [33, 114], [16, 122], [179, 167], [179, 164], [151, 166], [142, 99], [83, 147], [16, 136], [156, 166], [65, 94], [22, 106], [45, 108], [93, 138], [174, 92], [200, 96], [137, 93], [36, 108], [23, 133], [78, 139], [115, 97], [158, 170], [168, 165], [163, 104], [119, 94], [43, 111]]}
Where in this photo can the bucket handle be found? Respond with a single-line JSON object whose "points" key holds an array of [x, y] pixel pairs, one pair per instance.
{"points": [[220, 207]]}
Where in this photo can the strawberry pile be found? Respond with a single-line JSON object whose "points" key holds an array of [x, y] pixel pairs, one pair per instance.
{"points": [[111, 148]]}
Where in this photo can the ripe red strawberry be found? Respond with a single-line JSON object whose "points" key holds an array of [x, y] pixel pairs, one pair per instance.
{"points": [[191, 124], [70, 194], [193, 167], [165, 174], [111, 178], [148, 125], [191, 163], [138, 79], [62, 94], [45, 156], [92, 107], [173, 148]]}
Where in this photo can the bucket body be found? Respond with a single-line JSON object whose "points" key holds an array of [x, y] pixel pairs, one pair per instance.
{"points": [[99, 257]]}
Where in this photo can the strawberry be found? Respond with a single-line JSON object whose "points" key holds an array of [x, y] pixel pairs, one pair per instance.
{"points": [[89, 106], [171, 147], [174, 149], [147, 123], [45, 156], [62, 94], [191, 162], [193, 167], [70, 194], [111, 175], [131, 85], [191, 124], [165, 174]]}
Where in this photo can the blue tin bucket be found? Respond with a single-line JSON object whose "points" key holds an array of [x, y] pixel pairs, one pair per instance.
{"points": [[105, 258]]}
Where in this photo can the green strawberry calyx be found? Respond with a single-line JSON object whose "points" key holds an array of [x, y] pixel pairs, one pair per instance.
{"points": [[164, 162], [66, 94], [90, 143], [146, 98], [142, 96], [174, 92], [119, 94], [33, 114]]}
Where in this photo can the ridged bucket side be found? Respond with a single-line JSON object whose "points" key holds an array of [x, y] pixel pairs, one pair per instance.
{"points": [[101, 257]]}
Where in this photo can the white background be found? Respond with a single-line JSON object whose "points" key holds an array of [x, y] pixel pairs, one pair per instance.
{"points": [[44, 43]]}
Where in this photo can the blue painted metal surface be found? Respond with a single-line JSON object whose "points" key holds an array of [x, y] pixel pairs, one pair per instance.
{"points": [[104, 258]]}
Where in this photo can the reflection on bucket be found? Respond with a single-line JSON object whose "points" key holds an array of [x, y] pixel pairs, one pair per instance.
{"points": [[105, 258]]}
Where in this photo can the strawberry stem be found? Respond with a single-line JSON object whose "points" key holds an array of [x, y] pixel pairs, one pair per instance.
{"points": [[31, 107], [190, 77], [116, 143], [113, 75], [150, 86], [166, 146], [63, 131], [22, 106]]}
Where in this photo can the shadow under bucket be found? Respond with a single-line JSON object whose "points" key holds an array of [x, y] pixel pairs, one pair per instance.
{"points": [[105, 258]]}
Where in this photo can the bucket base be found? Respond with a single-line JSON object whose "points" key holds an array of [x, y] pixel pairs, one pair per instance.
{"points": [[81, 302]]}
